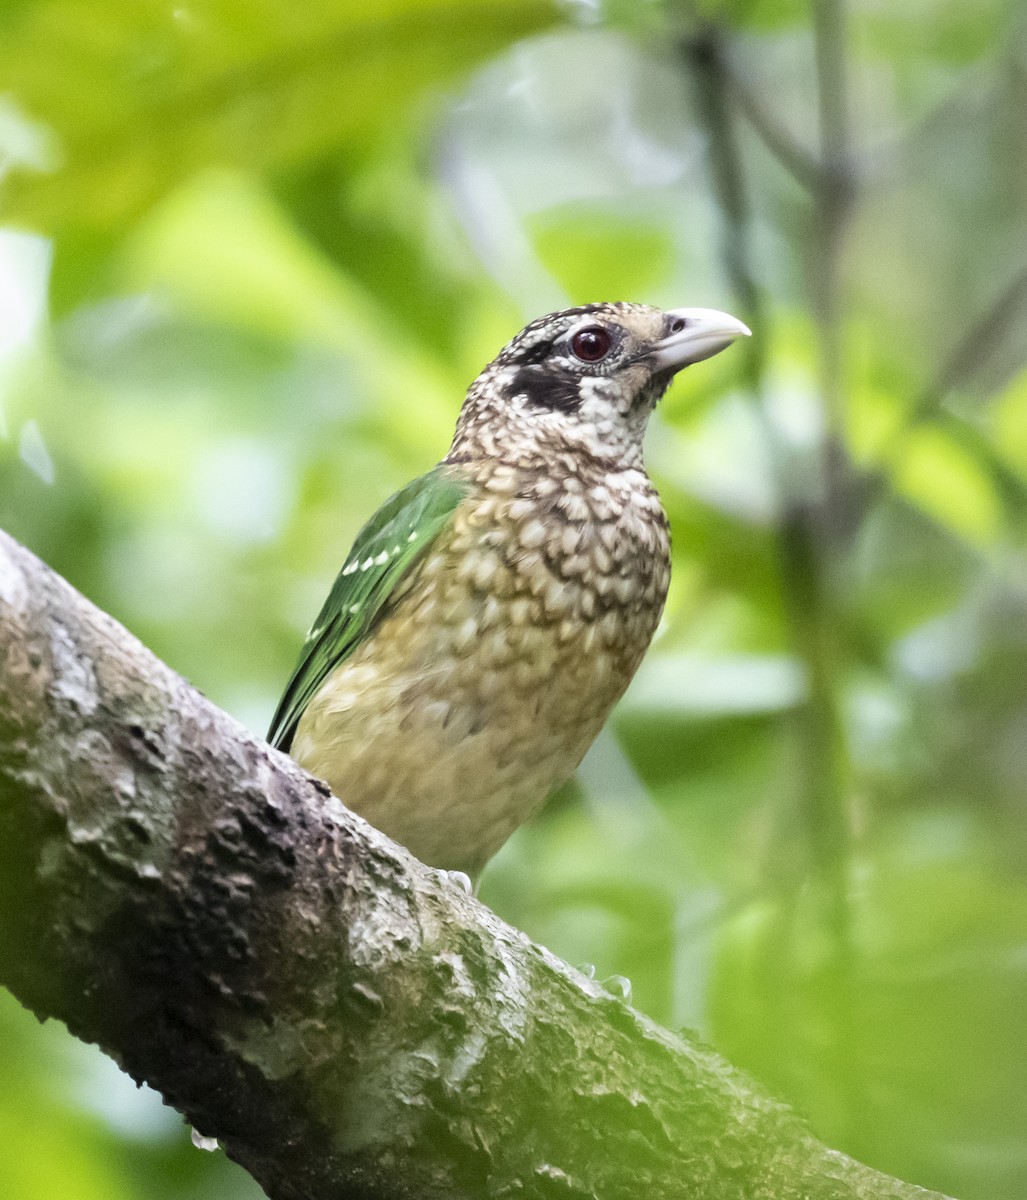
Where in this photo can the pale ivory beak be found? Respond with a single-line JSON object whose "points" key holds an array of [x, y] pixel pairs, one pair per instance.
{"points": [[694, 334]]}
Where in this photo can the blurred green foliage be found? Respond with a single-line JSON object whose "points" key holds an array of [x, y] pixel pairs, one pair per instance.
{"points": [[253, 254]]}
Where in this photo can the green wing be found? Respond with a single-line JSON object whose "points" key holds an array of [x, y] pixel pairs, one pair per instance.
{"points": [[386, 548]]}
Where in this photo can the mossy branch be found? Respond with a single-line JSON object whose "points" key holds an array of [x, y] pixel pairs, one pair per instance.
{"points": [[345, 1022]]}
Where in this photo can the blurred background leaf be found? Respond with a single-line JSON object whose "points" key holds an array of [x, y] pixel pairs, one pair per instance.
{"points": [[251, 256]]}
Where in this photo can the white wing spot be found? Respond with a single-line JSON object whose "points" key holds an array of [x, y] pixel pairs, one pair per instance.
{"points": [[367, 564], [315, 633], [353, 609], [350, 567], [413, 536], [382, 559]]}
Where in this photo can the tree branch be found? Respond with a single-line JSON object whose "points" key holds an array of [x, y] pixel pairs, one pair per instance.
{"points": [[344, 1021]]}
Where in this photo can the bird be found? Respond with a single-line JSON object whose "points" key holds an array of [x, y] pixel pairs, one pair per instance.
{"points": [[492, 612]]}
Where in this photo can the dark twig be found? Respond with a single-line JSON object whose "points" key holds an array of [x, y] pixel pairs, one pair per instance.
{"points": [[790, 153], [829, 815], [980, 341], [705, 61]]}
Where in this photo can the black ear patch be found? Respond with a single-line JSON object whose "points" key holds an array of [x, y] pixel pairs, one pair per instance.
{"points": [[548, 387]]}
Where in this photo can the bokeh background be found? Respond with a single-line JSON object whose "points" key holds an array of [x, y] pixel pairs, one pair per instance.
{"points": [[253, 252]]}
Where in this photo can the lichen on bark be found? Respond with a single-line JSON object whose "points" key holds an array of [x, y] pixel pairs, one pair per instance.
{"points": [[345, 1021]]}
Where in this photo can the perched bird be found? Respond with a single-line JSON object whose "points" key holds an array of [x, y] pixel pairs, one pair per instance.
{"points": [[492, 612]]}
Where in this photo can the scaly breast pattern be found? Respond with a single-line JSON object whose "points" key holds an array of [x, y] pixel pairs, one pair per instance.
{"points": [[497, 661]]}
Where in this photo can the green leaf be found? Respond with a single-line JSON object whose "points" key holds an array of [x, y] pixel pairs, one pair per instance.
{"points": [[1009, 422], [596, 254], [912, 1044], [224, 251], [148, 93], [941, 476]]}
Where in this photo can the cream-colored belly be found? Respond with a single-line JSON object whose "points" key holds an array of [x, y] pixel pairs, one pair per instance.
{"points": [[483, 686], [448, 748]]}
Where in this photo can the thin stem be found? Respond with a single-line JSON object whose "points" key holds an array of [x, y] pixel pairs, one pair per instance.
{"points": [[704, 58], [800, 164], [829, 815], [807, 525], [982, 338], [834, 197]]}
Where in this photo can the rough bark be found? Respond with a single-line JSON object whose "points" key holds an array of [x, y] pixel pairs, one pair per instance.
{"points": [[344, 1021]]}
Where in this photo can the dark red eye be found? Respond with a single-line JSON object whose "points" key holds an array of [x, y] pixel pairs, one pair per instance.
{"points": [[591, 344]]}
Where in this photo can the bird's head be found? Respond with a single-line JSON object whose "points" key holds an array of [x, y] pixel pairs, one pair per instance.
{"points": [[587, 379]]}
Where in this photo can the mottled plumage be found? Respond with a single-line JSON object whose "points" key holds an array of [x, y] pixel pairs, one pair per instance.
{"points": [[491, 614]]}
